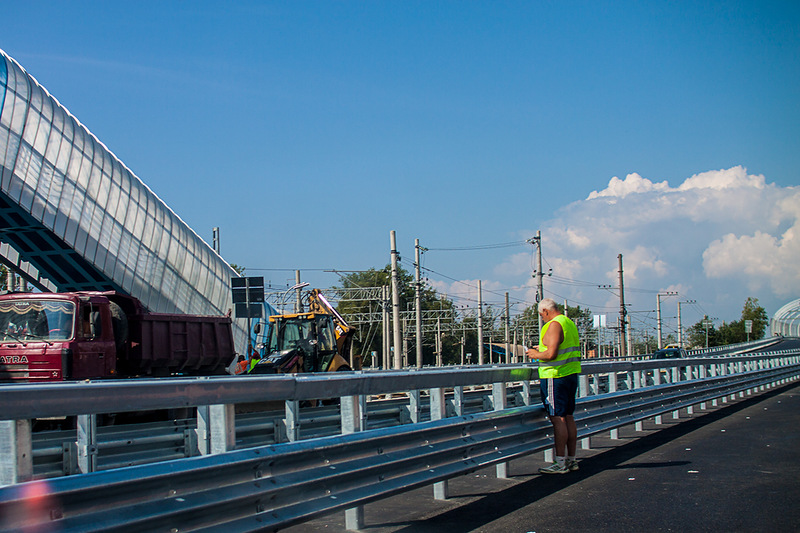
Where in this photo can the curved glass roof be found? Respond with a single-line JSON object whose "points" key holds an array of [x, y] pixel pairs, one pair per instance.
{"points": [[74, 217], [786, 320]]}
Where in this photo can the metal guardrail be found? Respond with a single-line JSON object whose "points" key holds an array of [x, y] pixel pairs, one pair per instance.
{"points": [[270, 487]]}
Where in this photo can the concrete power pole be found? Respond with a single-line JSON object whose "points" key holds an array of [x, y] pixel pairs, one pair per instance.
{"points": [[398, 337], [386, 359], [658, 319], [480, 324], [298, 306], [623, 313], [539, 274], [507, 338], [418, 295]]}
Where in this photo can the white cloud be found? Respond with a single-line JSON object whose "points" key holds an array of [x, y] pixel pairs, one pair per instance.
{"points": [[720, 236], [632, 184], [732, 178]]}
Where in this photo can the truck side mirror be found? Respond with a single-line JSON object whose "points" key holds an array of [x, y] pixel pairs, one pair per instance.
{"points": [[95, 324]]}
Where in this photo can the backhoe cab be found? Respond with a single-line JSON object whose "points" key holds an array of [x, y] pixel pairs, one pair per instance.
{"points": [[316, 341]]}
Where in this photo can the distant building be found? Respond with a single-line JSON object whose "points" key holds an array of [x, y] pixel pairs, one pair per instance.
{"points": [[786, 321]]}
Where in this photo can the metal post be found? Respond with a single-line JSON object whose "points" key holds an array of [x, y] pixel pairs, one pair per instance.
{"points": [[499, 396], [398, 358], [507, 338], [623, 314], [438, 412], [87, 443], [16, 452], [292, 420], [298, 306], [480, 324], [417, 269], [539, 274], [353, 421], [386, 356], [658, 320], [216, 429]]}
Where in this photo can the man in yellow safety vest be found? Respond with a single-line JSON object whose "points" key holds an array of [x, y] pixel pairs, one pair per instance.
{"points": [[559, 356]]}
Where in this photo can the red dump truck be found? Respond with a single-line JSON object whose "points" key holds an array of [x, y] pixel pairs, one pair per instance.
{"points": [[90, 335]]}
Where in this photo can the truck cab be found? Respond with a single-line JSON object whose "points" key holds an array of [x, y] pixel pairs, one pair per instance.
{"points": [[53, 337]]}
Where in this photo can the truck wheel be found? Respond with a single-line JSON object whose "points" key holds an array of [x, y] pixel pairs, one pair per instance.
{"points": [[119, 323]]}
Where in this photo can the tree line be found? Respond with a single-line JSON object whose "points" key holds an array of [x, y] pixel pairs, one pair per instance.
{"points": [[369, 338]]}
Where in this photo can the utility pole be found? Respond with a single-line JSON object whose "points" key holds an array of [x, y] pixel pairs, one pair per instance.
{"points": [[538, 274], [658, 314], [680, 326], [480, 324], [507, 338], [298, 306], [386, 359], [418, 295], [623, 313], [398, 347]]}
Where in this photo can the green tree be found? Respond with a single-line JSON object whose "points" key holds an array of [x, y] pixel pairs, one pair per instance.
{"points": [[370, 340], [731, 332], [581, 316], [697, 335], [756, 313]]}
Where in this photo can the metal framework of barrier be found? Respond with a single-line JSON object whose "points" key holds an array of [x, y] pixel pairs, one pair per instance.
{"points": [[273, 486]]}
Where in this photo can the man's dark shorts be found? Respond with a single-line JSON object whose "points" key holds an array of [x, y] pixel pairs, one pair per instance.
{"points": [[558, 395]]}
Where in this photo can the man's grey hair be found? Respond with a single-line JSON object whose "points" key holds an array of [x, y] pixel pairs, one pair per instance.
{"points": [[547, 303]]}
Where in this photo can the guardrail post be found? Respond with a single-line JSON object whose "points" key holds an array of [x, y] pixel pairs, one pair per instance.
{"points": [[499, 396], [713, 371], [216, 429], [583, 386], [87, 443], [414, 406], [16, 452], [526, 392], [612, 387], [292, 420], [703, 373], [458, 400], [438, 412], [353, 421]]}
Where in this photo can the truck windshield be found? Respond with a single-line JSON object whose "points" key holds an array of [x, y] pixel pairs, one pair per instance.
{"points": [[32, 320]]}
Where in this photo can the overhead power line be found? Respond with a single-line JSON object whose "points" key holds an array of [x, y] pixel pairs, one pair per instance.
{"points": [[479, 247]]}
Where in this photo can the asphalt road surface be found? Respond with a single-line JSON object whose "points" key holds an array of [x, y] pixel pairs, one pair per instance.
{"points": [[730, 468]]}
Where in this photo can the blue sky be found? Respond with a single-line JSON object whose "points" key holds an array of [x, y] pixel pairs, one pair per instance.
{"points": [[308, 130]]}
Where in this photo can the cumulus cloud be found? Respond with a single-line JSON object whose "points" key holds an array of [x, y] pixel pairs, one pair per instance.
{"points": [[720, 235], [632, 184]]}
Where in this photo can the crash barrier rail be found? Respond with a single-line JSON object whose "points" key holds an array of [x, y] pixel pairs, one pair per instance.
{"points": [[734, 349], [56, 453], [270, 487]]}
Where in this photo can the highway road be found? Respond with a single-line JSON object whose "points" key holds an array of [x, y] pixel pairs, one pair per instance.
{"points": [[734, 467]]}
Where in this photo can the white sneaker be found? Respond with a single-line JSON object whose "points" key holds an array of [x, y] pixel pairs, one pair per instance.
{"points": [[554, 468], [572, 465]]}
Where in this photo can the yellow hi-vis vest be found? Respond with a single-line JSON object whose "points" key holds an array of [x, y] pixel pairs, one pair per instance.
{"points": [[568, 360]]}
